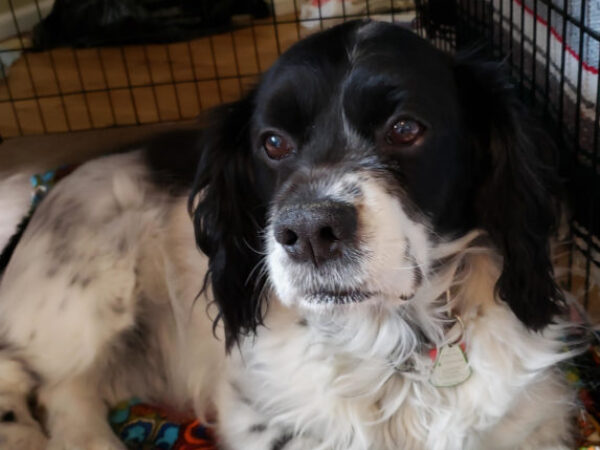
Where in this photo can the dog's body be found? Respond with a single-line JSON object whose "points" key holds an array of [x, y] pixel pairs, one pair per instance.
{"points": [[367, 268]]}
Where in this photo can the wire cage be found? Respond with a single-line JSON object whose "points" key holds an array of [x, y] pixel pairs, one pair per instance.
{"points": [[551, 47], [154, 76]]}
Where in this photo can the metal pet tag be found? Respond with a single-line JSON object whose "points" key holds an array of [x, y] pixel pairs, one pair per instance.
{"points": [[451, 367]]}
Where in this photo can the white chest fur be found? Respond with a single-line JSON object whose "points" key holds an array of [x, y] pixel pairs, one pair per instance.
{"points": [[336, 381]]}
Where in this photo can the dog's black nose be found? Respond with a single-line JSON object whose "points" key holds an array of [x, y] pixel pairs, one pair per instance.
{"points": [[316, 232]]}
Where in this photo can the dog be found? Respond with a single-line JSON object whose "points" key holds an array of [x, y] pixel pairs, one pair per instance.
{"points": [[353, 256]]}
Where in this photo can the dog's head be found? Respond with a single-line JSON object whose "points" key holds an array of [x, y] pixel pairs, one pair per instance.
{"points": [[360, 150]]}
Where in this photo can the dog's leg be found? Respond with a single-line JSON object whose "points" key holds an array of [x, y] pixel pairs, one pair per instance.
{"points": [[18, 429], [70, 292], [66, 338], [77, 417]]}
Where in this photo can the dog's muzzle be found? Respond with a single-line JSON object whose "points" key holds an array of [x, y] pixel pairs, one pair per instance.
{"points": [[316, 232]]}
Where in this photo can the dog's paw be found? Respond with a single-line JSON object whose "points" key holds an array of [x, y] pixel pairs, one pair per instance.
{"points": [[18, 430], [18, 436], [85, 441]]}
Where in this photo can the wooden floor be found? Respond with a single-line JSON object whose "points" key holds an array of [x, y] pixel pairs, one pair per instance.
{"points": [[69, 90]]}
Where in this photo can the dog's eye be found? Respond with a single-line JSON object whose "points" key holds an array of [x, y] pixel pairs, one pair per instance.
{"points": [[276, 146], [404, 132]]}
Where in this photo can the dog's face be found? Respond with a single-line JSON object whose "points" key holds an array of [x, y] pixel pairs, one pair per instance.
{"points": [[360, 150], [360, 130]]}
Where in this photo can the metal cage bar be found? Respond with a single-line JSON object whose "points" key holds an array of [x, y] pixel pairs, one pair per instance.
{"points": [[550, 71]]}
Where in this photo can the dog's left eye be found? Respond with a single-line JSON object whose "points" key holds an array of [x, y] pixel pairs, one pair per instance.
{"points": [[276, 146], [404, 132]]}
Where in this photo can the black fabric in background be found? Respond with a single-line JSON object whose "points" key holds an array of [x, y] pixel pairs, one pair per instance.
{"points": [[91, 23]]}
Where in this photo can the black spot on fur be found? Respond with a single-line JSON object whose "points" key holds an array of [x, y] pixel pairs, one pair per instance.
{"points": [[258, 428], [302, 322], [8, 417], [138, 351], [122, 246], [81, 281], [85, 281], [33, 375], [36, 409], [281, 442], [417, 272], [61, 252], [4, 345], [60, 226]]}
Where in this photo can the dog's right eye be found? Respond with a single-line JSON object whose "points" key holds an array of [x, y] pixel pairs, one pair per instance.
{"points": [[276, 146], [404, 132]]}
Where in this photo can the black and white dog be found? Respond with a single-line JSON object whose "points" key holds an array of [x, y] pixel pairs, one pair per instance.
{"points": [[373, 224]]}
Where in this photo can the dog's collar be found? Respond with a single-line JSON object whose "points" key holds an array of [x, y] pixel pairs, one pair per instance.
{"points": [[454, 335], [450, 365]]}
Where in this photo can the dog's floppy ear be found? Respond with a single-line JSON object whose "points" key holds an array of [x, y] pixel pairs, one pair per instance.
{"points": [[517, 188], [229, 217]]}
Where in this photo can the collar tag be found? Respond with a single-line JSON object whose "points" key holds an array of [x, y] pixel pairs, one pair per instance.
{"points": [[450, 367]]}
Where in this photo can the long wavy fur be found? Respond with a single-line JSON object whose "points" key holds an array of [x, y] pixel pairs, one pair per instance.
{"points": [[516, 200], [229, 217]]}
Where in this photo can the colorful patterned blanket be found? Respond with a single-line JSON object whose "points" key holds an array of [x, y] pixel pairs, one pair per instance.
{"points": [[584, 373], [145, 427]]}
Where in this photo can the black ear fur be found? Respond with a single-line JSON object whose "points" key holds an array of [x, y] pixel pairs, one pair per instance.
{"points": [[516, 198], [229, 217]]}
